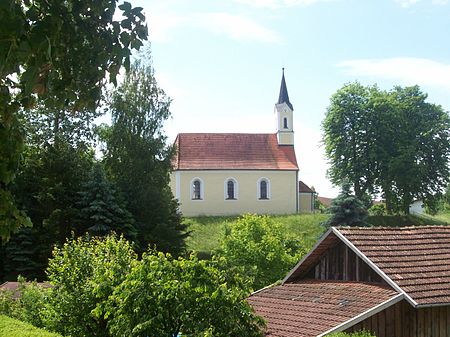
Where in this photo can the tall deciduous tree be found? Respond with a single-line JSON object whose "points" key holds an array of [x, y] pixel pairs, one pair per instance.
{"points": [[58, 52], [392, 142], [139, 160]]}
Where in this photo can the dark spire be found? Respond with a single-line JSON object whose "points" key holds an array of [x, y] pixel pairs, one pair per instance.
{"points": [[284, 97]]}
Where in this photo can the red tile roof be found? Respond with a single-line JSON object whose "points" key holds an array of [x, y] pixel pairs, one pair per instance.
{"points": [[311, 307], [417, 259], [232, 151]]}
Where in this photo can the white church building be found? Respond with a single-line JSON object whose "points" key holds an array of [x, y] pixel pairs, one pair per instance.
{"points": [[235, 173]]}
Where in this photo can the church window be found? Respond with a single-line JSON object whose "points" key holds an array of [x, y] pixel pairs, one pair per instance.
{"points": [[285, 123], [263, 189], [231, 189], [197, 190]]}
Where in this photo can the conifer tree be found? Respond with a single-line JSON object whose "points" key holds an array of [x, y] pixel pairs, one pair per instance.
{"points": [[346, 210], [100, 211]]}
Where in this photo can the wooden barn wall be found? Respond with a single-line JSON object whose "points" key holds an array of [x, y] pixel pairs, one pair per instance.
{"points": [[402, 320], [341, 263]]}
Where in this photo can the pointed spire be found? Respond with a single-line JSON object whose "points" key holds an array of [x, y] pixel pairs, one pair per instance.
{"points": [[284, 97]]}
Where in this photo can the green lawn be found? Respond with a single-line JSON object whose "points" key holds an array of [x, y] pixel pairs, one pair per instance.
{"points": [[207, 231], [10, 327]]}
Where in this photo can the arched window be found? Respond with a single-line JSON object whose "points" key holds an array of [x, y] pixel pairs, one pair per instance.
{"points": [[285, 123], [263, 189], [197, 189], [231, 189]]}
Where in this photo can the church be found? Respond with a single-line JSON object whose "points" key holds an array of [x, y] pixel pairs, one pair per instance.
{"points": [[236, 173]]}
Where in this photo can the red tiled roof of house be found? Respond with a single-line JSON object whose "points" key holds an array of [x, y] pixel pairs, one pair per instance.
{"points": [[312, 307], [417, 259], [230, 151], [325, 201], [303, 188]]}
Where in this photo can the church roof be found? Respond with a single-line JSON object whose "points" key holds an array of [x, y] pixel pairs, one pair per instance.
{"points": [[284, 97], [232, 151]]}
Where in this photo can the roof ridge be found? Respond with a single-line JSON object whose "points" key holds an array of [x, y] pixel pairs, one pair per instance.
{"points": [[393, 228]]}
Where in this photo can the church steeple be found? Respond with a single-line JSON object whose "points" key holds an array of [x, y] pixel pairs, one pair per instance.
{"points": [[284, 113], [284, 97]]}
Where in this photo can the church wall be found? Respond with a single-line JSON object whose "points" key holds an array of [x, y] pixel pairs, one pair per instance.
{"points": [[282, 187]]}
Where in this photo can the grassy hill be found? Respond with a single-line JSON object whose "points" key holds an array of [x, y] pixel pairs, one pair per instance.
{"points": [[10, 327], [207, 231]]}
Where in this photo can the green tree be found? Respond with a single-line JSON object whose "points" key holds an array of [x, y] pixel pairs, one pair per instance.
{"points": [[58, 52], [163, 297], [394, 143], [139, 160], [259, 249], [346, 210], [101, 212], [84, 273]]}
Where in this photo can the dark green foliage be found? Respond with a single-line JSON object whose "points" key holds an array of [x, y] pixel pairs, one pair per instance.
{"points": [[163, 296], [257, 247], [100, 212], [56, 52], [394, 143], [139, 160], [346, 210]]}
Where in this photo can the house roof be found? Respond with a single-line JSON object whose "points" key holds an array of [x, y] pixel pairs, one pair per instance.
{"points": [[312, 308], [417, 259], [325, 201], [284, 97], [413, 260], [232, 151], [303, 188]]}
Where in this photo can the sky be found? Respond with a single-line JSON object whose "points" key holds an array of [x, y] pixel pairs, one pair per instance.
{"points": [[220, 61]]}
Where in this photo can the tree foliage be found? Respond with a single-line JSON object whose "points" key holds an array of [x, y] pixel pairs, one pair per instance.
{"points": [[395, 143], [139, 160], [59, 53], [346, 210], [101, 211], [260, 249], [84, 273], [163, 296]]}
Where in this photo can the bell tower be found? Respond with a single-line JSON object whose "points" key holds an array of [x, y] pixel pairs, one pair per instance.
{"points": [[284, 112]]}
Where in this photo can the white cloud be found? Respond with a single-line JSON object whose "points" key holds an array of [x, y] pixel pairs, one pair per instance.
{"points": [[278, 3], [409, 3], [236, 27], [409, 71]]}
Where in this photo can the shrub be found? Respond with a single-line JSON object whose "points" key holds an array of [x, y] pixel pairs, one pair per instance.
{"points": [[362, 333], [260, 249]]}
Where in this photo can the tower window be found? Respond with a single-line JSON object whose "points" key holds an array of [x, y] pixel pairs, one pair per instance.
{"points": [[285, 123]]}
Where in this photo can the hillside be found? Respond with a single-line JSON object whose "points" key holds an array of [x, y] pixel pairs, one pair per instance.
{"points": [[10, 327]]}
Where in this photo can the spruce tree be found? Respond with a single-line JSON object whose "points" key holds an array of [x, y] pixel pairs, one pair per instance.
{"points": [[346, 210], [100, 211]]}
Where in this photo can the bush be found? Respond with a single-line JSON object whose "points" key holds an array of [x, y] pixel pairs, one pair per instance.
{"points": [[260, 249], [28, 306], [378, 209]]}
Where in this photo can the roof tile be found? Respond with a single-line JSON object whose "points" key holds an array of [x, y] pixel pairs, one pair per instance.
{"points": [[214, 151]]}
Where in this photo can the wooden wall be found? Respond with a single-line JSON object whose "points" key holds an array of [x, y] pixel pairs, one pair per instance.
{"points": [[402, 320], [341, 263]]}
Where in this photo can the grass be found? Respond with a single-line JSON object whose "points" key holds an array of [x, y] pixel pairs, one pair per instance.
{"points": [[10, 327], [208, 230]]}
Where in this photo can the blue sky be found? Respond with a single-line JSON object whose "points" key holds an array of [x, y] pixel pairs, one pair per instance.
{"points": [[220, 61]]}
